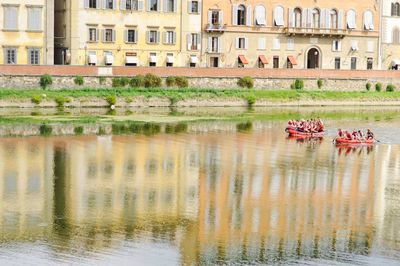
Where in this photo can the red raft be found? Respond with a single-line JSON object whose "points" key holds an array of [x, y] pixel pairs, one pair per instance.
{"points": [[354, 142], [294, 132]]}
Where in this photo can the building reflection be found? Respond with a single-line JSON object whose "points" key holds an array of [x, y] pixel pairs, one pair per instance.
{"points": [[216, 197]]}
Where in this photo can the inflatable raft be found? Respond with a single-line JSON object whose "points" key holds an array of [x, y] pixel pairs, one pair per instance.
{"points": [[295, 132], [354, 142]]}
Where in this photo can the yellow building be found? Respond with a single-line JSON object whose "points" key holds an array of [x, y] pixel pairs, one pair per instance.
{"points": [[122, 32], [26, 35]]}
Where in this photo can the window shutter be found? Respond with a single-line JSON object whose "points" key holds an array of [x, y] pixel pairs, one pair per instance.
{"points": [[86, 3], [340, 19], [148, 36], [174, 38], [219, 44], [309, 17], [31, 22], [198, 41], [291, 17], [103, 35], [339, 45], [165, 36], [88, 34], [125, 35], [97, 35], [104, 3], [158, 37], [209, 44], [122, 5], [237, 42], [136, 36], [113, 35], [328, 19], [261, 43], [246, 43], [234, 14], [165, 5], [334, 45], [209, 17], [322, 19], [220, 17], [148, 5], [175, 6], [159, 5], [189, 41], [114, 4], [304, 17], [98, 3], [140, 5], [249, 21], [39, 18]]}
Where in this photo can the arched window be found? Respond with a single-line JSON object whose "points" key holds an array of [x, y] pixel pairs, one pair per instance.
{"points": [[260, 15], [297, 17], [396, 36], [316, 18], [368, 20], [351, 19], [241, 15], [395, 9], [333, 19], [278, 16]]}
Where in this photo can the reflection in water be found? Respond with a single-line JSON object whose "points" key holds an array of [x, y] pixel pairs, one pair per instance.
{"points": [[252, 197]]}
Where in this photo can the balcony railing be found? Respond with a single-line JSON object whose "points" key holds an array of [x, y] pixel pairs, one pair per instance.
{"points": [[216, 27], [315, 31]]}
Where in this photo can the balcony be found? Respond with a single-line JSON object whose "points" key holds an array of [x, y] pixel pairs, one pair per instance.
{"points": [[216, 27], [337, 33]]}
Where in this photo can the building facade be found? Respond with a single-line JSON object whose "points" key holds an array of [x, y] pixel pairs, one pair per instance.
{"points": [[327, 35], [126, 32], [26, 35], [390, 34]]}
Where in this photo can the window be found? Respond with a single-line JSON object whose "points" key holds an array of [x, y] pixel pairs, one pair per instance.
{"points": [[109, 35], [241, 15], [193, 41], [93, 32], [290, 44], [109, 4], [108, 58], [276, 45], [351, 19], [153, 60], [214, 17], [278, 16], [10, 57], [370, 62], [194, 6], [193, 60], [34, 18], [153, 5], [315, 19], [275, 62], [260, 63], [240, 63], [169, 6], [370, 46], [260, 15], [395, 9], [262, 43], [241, 43], [333, 19], [131, 36], [153, 36], [297, 17], [396, 36], [132, 5], [169, 37], [34, 56], [336, 45], [214, 45], [368, 20], [337, 62], [10, 17], [92, 3], [354, 63], [170, 60], [289, 63], [92, 58], [214, 62]]}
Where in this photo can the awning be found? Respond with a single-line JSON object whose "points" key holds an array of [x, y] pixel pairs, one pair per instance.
{"points": [[292, 60], [194, 59], [170, 59], [243, 59], [396, 62], [263, 59], [131, 60], [153, 59], [92, 59], [109, 59]]}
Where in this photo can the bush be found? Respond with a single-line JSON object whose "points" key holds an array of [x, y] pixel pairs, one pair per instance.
{"points": [[124, 81], [78, 130], [320, 83], [116, 82], [45, 130], [390, 88], [246, 82], [170, 81], [251, 100], [368, 86], [136, 81], [61, 100], [292, 86], [78, 80], [45, 81], [111, 99], [102, 80], [152, 81], [378, 86], [37, 99], [299, 84], [181, 82]]}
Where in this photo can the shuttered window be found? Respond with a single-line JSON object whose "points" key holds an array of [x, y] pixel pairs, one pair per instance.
{"points": [[35, 18], [34, 56], [193, 6], [276, 45], [260, 15], [193, 41], [351, 19], [10, 56], [278, 16], [169, 37], [10, 18], [368, 20], [93, 35], [109, 35], [170, 5], [153, 37], [290, 44], [131, 36], [262, 43]]}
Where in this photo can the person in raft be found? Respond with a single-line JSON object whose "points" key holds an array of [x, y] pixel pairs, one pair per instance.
{"points": [[312, 126], [355, 135]]}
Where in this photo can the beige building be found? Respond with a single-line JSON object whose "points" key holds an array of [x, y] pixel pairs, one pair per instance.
{"points": [[26, 35], [126, 32], [390, 32], [327, 35]]}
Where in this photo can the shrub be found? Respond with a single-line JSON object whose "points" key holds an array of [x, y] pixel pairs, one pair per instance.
{"points": [[299, 84], [292, 86], [152, 81], [102, 80], [111, 100], [37, 99], [136, 81], [251, 100], [45, 130], [124, 81], [170, 81], [78, 80], [181, 82], [246, 82], [173, 100], [390, 88], [78, 130], [368, 86], [116, 82], [378, 86], [45, 81], [320, 83], [61, 100]]}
